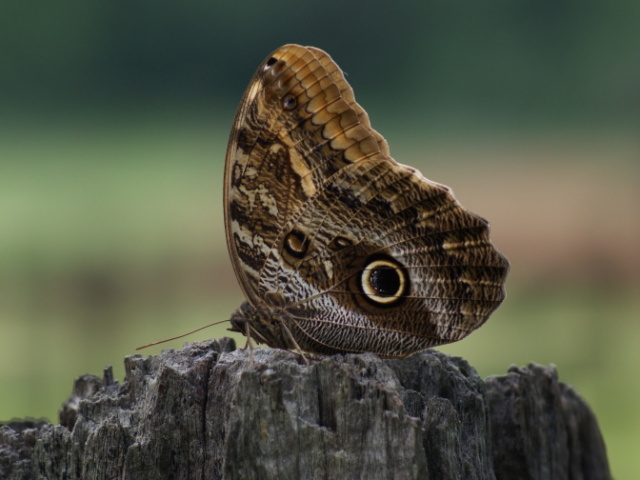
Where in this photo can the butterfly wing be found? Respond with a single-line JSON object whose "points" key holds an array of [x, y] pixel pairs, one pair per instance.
{"points": [[278, 157], [364, 254]]}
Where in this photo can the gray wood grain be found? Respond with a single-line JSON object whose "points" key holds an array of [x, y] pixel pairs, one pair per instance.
{"points": [[209, 412]]}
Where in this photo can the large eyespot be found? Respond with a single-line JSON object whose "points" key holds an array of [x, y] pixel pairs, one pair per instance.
{"points": [[296, 244], [289, 102], [383, 281]]}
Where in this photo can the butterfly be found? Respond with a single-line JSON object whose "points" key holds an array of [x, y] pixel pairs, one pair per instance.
{"points": [[337, 247]]}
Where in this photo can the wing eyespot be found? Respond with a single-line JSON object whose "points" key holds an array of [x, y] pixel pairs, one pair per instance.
{"points": [[383, 281], [270, 63], [341, 242], [289, 102], [296, 243]]}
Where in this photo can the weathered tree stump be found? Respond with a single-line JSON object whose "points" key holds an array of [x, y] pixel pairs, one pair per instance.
{"points": [[209, 412]]}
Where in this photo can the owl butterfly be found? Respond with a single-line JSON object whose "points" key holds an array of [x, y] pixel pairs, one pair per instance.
{"points": [[337, 247]]}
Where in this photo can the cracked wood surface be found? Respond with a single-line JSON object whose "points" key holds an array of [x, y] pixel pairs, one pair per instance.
{"points": [[208, 412]]}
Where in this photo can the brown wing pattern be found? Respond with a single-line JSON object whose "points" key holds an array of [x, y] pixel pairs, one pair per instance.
{"points": [[278, 157], [330, 236]]}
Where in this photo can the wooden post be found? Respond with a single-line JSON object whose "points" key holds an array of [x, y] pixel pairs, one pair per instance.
{"points": [[209, 412]]}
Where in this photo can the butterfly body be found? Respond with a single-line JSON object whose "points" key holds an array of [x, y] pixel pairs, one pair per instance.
{"points": [[339, 248]]}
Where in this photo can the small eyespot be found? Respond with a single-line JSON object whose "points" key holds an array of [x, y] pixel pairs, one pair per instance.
{"points": [[341, 242], [270, 62], [296, 243], [384, 281], [289, 102]]}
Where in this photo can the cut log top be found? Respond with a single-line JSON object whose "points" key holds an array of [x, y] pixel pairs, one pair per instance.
{"points": [[210, 412]]}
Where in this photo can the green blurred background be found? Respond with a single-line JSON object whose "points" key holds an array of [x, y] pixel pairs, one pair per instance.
{"points": [[113, 126]]}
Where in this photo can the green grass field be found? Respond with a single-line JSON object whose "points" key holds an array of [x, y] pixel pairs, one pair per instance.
{"points": [[112, 237]]}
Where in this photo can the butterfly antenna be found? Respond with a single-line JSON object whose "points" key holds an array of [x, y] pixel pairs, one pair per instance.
{"points": [[183, 335]]}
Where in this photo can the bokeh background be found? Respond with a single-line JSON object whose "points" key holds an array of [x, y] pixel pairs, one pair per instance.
{"points": [[113, 126]]}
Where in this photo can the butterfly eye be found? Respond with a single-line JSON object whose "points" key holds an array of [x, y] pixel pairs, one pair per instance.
{"points": [[383, 281], [289, 102]]}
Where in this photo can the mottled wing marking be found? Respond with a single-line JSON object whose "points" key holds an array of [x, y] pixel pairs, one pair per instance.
{"points": [[312, 194], [275, 157]]}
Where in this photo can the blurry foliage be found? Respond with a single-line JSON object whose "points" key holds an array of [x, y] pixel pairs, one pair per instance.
{"points": [[518, 58]]}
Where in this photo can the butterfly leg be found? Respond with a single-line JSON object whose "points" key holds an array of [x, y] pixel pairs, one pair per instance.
{"points": [[248, 344], [294, 343]]}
